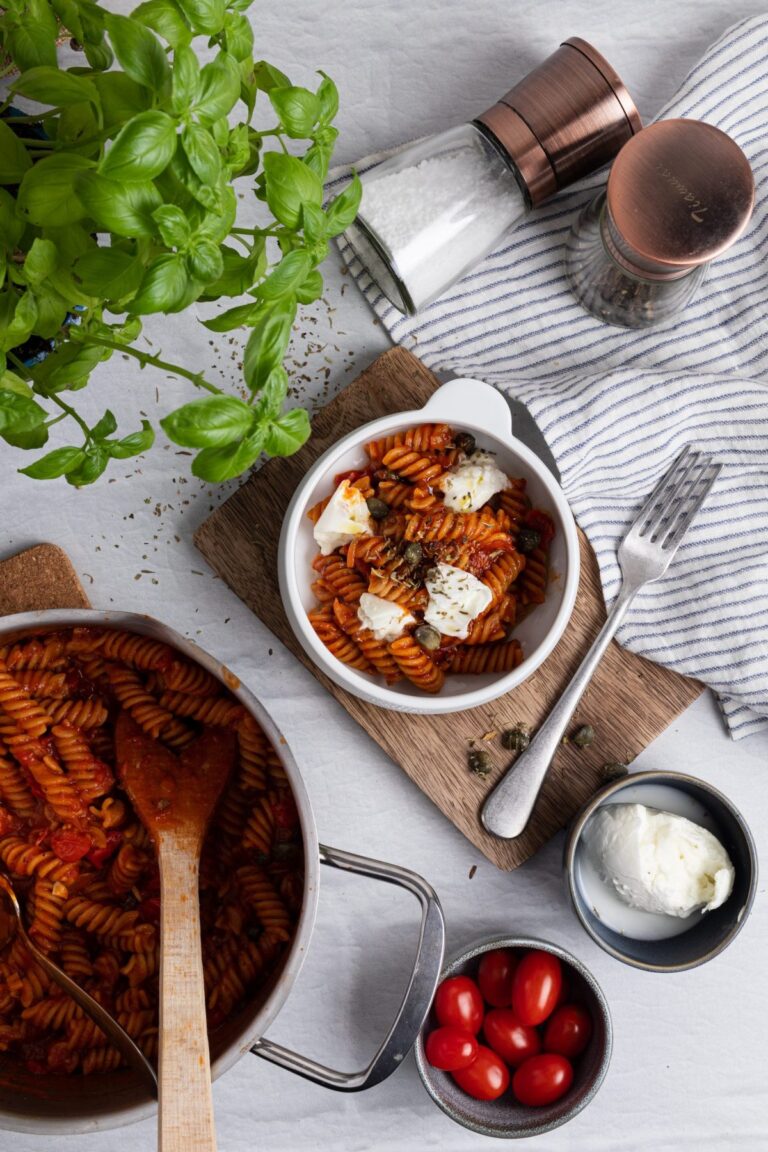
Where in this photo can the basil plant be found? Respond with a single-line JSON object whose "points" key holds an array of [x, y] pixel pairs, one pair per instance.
{"points": [[117, 201]]}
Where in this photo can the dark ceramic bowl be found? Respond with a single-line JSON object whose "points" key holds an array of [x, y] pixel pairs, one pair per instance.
{"points": [[713, 931], [505, 1117]]}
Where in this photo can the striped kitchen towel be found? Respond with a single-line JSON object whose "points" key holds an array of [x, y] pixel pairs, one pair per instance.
{"points": [[616, 406]]}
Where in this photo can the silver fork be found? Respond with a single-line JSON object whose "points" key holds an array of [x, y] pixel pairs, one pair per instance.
{"points": [[644, 555]]}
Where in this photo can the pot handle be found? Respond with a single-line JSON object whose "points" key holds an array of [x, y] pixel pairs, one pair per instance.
{"points": [[418, 995]]}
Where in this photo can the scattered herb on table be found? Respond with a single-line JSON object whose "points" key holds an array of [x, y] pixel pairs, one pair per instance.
{"points": [[515, 739], [583, 736], [613, 771], [117, 202], [479, 762]]}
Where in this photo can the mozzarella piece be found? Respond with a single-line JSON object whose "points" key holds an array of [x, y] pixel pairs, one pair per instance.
{"points": [[472, 482], [456, 598], [345, 517], [657, 861], [385, 619]]}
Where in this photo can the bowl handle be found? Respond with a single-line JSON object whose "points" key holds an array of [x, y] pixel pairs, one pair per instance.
{"points": [[468, 401], [418, 995]]}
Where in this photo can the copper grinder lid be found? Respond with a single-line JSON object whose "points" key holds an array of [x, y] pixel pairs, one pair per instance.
{"points": [[566, 118], [678, 195]]}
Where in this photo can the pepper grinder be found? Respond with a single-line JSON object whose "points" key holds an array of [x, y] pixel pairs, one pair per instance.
{"points": [[432, 211], [677, 196]]}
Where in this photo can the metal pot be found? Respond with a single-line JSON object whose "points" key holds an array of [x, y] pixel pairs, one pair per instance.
{"points": [[58, 1105]]}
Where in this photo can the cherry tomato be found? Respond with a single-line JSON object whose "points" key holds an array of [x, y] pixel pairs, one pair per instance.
{"points": [[513, 1041], [458, 1004], [495, 977], [542, 1079], [450, 1048], [536, 987], [486, 1078], [69, 845], [112, 840], [568, 1030]]}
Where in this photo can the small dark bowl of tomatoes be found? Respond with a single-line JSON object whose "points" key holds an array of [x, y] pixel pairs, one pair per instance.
{"points": [[518, 1038]]}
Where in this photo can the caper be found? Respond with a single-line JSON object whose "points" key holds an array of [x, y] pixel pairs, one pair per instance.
{"points": [[413, 554], [515, 739], [479, 762], [465, 442], [378, 509], [613, 771], [427, 636], [583, 736], [527, 540]]}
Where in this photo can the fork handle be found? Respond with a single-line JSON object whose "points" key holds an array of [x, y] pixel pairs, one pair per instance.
{"points": [[508, 808]]}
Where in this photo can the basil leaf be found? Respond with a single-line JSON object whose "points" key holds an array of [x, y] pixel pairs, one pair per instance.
{"points": [[11, 227], [181, 170], [311, 289], [121, 97], [122, 208], [238, 36], [205, 260], [67, 368], [52, 311], [272, 396], [99, 56], [108, 273], [52, 86], [172, 224], [164, 17], [219, 88], [32, 43], [10, 382], [318, 157], [204, 15], [267, 343], [134, 444], [56, 463], [343, 209], [208, 422], [218, 464], [239, 273], [285, 278], [95, 460], [142, 149], [266, 77], [34, 438], [40, 261], [313, 222], [47, 194], [287, 434], [203, 155], [16, 160], [297, 108], [289, 185], [139, 52], [104, 427], [328, 95], [19, 413], [232, 318], [185, 83], [216, 225], [22, 325], [164, 286]]}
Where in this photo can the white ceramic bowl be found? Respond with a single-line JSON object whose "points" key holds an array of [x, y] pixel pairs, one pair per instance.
{"points": [[468, 406]]}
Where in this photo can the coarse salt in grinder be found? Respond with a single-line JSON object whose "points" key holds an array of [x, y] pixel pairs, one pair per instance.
{"points": [[435, 209], [678, 195]]}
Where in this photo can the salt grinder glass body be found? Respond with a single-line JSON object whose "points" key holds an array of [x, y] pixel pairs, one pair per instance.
{"points": [[431, 212], [678, 195]]}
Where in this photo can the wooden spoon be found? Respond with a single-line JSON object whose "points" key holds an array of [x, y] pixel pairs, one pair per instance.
{"points": [[175, 797]]}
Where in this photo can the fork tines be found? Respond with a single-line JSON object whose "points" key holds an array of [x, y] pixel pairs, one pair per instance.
{"points": [[677, 498]]}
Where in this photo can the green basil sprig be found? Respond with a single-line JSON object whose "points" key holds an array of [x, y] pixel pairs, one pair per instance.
{"points": [[117, 201]]}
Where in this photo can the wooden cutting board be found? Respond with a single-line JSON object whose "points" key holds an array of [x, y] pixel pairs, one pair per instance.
{"points": [[629, 702]]}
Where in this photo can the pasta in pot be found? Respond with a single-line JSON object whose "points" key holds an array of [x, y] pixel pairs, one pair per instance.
{"points": [[502, 542], [84, 865]]}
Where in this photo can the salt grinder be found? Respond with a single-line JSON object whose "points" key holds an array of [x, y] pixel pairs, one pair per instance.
{"points": [[431, 212], [678, 195]]}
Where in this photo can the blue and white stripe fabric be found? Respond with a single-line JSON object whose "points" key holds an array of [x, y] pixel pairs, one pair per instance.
{"points": [[616, 406]]}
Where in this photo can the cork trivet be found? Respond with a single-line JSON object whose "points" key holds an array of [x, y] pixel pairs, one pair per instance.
{"points": [[37, 578]]}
